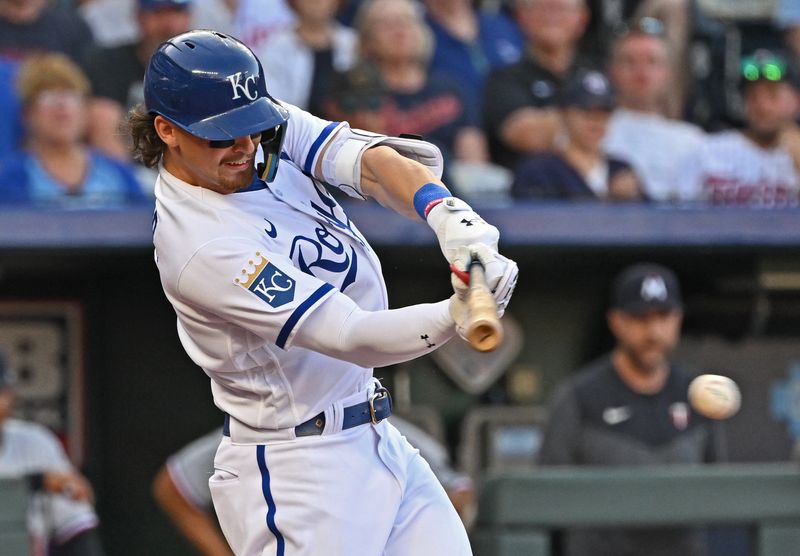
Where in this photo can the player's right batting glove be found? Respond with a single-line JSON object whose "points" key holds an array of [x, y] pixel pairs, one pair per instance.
{"points": [[501, 277], [457, 225]]}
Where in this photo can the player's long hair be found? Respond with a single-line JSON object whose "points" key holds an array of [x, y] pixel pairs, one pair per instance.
{"points": [[147, 146]]}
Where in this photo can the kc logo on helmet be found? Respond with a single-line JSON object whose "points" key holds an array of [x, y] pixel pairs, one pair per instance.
{"points": [[244, 88]]}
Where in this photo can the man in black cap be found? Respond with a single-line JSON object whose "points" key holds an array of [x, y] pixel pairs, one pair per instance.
{"points": [[630, 408], [579, 169]]}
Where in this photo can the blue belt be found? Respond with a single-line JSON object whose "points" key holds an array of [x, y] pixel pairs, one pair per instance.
{"points": [[374, 410]]}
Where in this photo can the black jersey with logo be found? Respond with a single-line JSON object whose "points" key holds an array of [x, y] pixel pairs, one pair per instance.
{"points": [[595, 419]]}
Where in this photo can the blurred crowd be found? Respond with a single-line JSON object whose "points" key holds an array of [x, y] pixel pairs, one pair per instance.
{"points": [[659, 101]]}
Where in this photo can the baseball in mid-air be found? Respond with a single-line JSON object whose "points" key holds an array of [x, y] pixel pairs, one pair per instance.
{"points": [[714, 396]]}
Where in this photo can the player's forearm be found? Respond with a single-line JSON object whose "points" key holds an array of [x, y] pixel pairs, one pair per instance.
{"points": [[376, 338], [392, 179]]}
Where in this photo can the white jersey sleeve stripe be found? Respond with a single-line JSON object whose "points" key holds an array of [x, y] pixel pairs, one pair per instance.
{"points": [[312, 153], [293, 319]]}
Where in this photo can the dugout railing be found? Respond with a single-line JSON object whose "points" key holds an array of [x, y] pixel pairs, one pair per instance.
{"points": [[519, 509]]}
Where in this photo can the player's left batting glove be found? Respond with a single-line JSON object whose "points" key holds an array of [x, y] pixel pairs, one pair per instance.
{"points": [[501, 273], [457, 225]]}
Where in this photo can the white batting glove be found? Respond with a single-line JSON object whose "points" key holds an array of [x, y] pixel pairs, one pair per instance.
{"points": [[457, 225], [458, 310], [501, 274]]}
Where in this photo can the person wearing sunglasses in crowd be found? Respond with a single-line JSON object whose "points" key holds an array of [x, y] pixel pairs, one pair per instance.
{"points": [[751, 166]]}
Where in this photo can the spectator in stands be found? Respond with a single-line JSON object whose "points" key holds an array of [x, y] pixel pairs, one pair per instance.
{"points": [[61, 519], [580, 169], [36, 26], [219, 15], [631, 408], [393, 36], [117, 73], [253, 24], [751, 166], [520, 100], [56, 168], [638, 131], [300, 61], [112, 22], [180, 487], [469, 42]]}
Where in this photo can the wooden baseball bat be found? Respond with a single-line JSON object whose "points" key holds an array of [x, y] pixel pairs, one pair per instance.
{"points": [[484, 330]]}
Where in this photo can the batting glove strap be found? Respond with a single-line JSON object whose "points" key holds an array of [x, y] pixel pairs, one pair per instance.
{"points": [[501, 274], [457, 225]]}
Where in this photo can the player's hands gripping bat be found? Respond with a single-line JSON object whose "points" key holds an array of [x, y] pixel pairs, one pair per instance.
{"points": [[484, 281]]}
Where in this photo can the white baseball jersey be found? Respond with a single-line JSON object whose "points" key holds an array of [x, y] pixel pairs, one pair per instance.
{"points": [[730, 169], [245, 273], [287, 247], [29, 448]]}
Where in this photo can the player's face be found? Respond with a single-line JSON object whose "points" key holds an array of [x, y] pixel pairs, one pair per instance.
{"points": [[646, 339], [640, 69], [194, 161], [769, 107]]}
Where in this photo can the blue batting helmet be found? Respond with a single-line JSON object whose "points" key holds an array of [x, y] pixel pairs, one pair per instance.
{"points": [[211, 85]]}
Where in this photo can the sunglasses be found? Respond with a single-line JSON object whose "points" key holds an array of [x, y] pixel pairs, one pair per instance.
{"points": [[768, 69], [266, 135]]}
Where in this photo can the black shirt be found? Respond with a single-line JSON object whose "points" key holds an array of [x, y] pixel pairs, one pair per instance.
{"points": [[509, 88], [118, 73], [549, 176], [57, 29], [596, 419]]}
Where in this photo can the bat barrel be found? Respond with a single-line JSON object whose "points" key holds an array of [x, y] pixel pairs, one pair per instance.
{"points": [[484, 331]]}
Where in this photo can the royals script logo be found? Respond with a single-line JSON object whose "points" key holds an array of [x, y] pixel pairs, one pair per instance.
{"points": [[243, 87]]}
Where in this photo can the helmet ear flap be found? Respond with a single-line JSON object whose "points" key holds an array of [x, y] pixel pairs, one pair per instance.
{"points": [[271, 144]]}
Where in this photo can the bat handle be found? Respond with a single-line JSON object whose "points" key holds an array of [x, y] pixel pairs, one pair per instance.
{"points": [[483, 328]]}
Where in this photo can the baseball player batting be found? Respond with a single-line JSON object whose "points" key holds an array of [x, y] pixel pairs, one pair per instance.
{"points": [[280, 299]]}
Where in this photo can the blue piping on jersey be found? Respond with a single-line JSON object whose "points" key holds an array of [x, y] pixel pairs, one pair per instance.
{"points": [[290, 323], [262, 466], [315, 147]]}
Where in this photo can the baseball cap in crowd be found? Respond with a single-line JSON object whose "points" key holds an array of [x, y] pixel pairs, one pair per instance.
{"points": [[152, 5], [588, 89], [766, 65], [646, 287]]}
